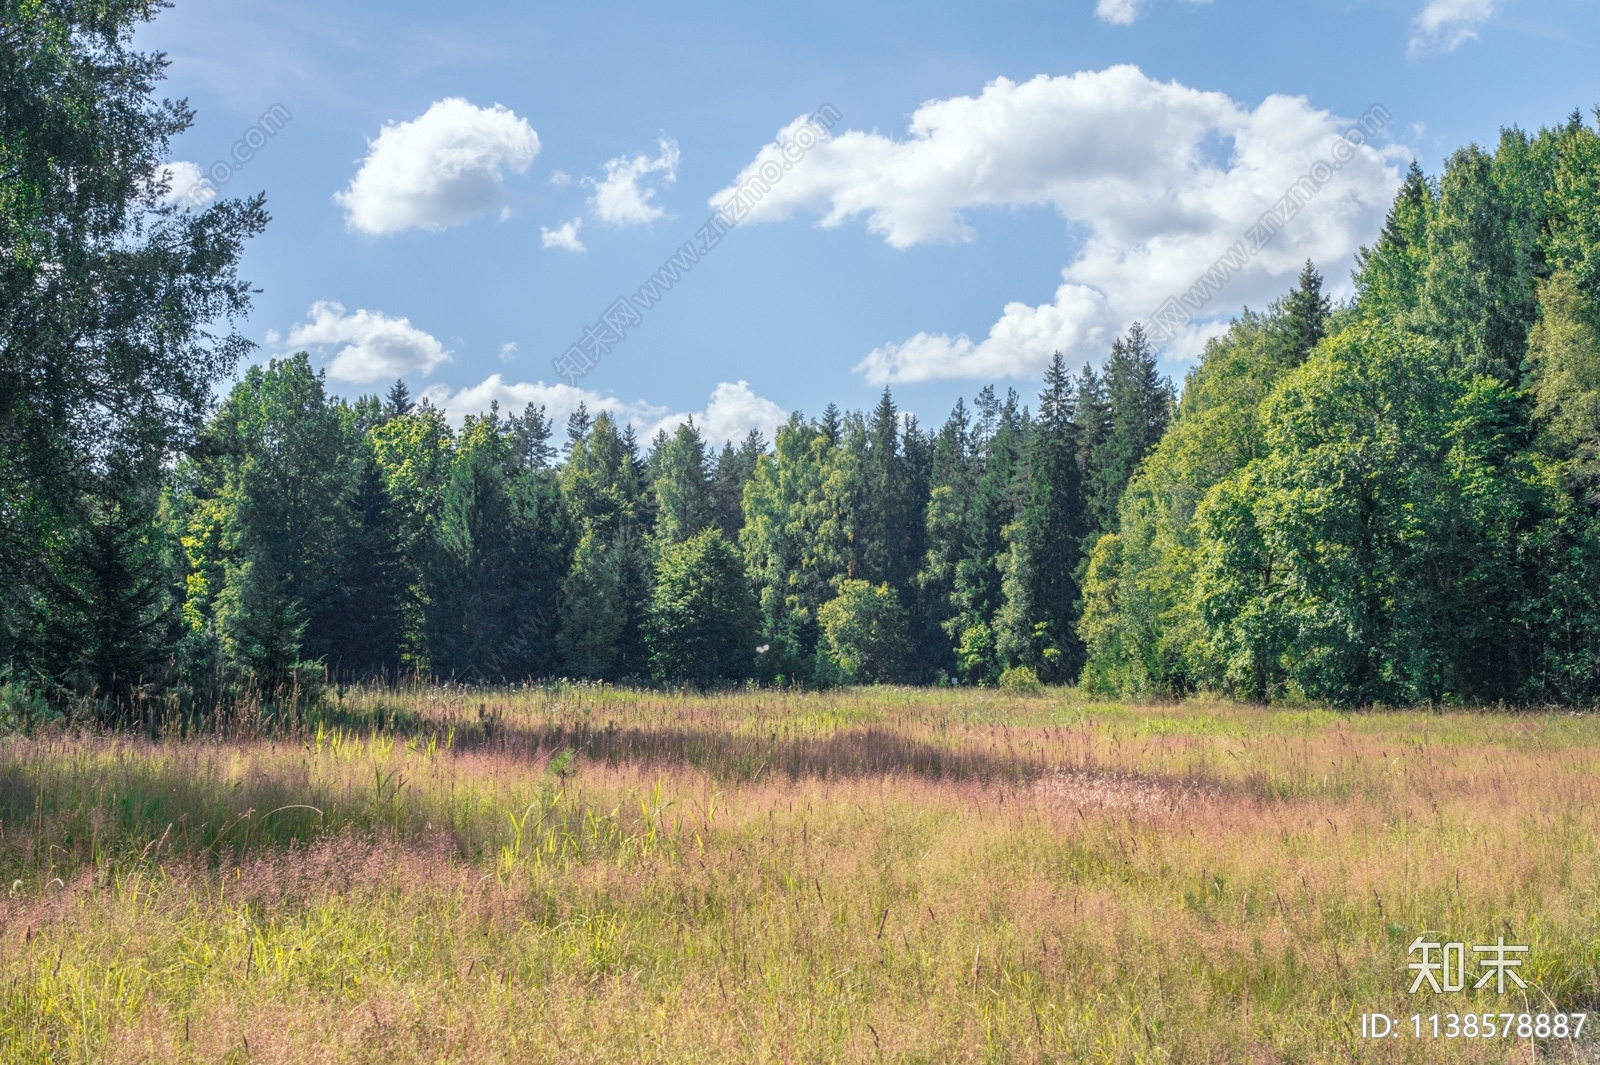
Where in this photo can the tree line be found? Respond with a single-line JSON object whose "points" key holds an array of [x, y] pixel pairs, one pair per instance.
{"points": [[1392, 500], [369, 538]]}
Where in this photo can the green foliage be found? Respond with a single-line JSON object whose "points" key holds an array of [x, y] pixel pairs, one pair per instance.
{"points": [[796, 539], [108, 343], [703, 618], [498, 557], [865, 630], [592, 609], [269, 510], [1409, 516], [1022, 680], [684, 503], [1564, 368], [23, 708]]}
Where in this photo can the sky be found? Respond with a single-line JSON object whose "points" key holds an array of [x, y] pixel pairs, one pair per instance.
{"points": [[927, 197]]}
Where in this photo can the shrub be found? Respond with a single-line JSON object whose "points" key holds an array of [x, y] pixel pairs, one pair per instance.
{"points": [[1021, 679]]}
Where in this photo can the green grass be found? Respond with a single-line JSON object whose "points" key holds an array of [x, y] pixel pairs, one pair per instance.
{"points": [[868, 875]]}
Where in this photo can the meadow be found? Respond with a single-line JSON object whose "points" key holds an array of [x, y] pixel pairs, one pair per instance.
{"points": [[595, 874]]}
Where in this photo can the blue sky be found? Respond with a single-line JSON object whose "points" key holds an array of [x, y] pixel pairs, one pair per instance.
{"points": [[1004, 180]]}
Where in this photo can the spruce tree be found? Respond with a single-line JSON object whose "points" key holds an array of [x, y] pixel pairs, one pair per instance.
{"points": [[1305, 312], [1138, 406], [1039, 623], [684, 504], [398, 400]]}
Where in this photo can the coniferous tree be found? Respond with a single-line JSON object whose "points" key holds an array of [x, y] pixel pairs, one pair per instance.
{"points": [[684, 503], [1038, 625], [1138, 405], [733, 469], [604, 491], [398, 400], [530, 439], [953, 473], [1306, 311], [366, 634]]}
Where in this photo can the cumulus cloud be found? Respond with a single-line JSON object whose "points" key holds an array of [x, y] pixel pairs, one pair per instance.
{"points": [[1444, 25], [565, 236], [734, 410], [619, 199], [731, 412], [374, 347], [1162, 178], [186, 183], [438, 170]]}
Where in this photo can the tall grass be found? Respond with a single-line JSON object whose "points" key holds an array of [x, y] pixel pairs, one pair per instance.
{"points": [[592, 874]]}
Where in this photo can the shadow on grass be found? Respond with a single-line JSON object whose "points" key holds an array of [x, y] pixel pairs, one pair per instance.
{"points": [[742, 757]]}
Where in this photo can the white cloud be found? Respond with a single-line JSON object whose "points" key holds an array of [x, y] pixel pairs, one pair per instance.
{"points": [[560, 178], [438, 170], [1119, 12], [1444, 25], [731, 412], [564, 237], [186, 184], [618, 199], [1124, 12], [375, 346], [508, 351], [1162, 178]]}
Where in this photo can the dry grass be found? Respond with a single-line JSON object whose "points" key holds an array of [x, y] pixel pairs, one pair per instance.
{"points": [[875, 875]]}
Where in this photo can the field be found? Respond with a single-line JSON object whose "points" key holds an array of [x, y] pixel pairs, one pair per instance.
{"points": [[861, 876]]}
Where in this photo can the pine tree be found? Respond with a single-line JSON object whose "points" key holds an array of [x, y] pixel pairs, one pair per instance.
{"points": [[603, 486], [1039, 624], [1389, 275], [684, 505], [398, 401], [733, 469], [1305, 311], [1138, 406], [530, 436], [578, 423], [366, 633], [1094, 435], [111, 610], [831, 425], [953, 473]]}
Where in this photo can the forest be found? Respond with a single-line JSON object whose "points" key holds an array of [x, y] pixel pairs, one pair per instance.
{"points": [[1389, 501]]}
